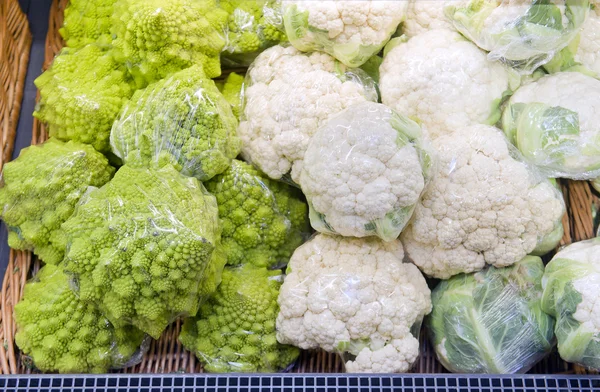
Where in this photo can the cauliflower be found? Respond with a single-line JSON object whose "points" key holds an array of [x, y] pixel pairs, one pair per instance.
{"points": [[588, 51], [355, 296], [60, 332], [145, 247], [485, 205], [287, 96], [524, 34], [364, 172], [425, 15], [232, 89], [444, 81], [351, 31], [235, 329], [86, 22], [40, 190], [81, 94], [184, 121], [572, 295], [555, 123]]}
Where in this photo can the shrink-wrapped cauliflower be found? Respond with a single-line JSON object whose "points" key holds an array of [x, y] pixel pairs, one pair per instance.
{"points": [[425, 15]]}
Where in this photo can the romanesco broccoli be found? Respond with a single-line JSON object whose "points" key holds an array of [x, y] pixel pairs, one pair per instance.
{"points": [[232, 90], [184, 121], [264, 221], [86, 22], [40, 190], [235, 329], [141, 247], [62, 333]]}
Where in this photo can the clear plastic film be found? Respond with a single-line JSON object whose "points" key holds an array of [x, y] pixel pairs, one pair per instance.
{"points": [[425, 15], [351, 31], [357, 297], [364, 172], [554, 122], [571, 286], [145, 247], [40, 190], [444, 81], [235, 329], [86, 22], [524, 34], [263, 220], [484, 205], [60, 332], [184, 121], [491, 321], [287, 96]]}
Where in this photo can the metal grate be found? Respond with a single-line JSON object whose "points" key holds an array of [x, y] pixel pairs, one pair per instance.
{"points": [[299, 383]]}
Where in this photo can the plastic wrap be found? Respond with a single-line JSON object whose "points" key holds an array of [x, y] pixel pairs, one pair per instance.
{"points": [[524, 34], [184, 121], [444, 81], [425, 15], [81, 95], [40, 190], [351, 31], [492, 321], [555, 124], [145, 247], [287, 96], [485, 205], [235, 329], [264, 221], [86, 22], [60, 332], [357, 297], [571, 295], [364, 172]]}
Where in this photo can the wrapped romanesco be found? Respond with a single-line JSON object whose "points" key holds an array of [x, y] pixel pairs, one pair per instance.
{"points": [[144, 247], [86, 22], [264, 221], [184, 121], [62, 333], [235, 329], [40, 190], [232, 89]]}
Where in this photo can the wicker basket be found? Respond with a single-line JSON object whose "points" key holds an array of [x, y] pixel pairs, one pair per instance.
{"points": [[166, 355]]}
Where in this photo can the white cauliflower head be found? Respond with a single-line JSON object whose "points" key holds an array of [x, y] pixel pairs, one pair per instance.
{"points": [[356, 296], [425, 15], [364, 172], [443, 80], [485, 205], [351, 31], [588, 51], [288, 95]]}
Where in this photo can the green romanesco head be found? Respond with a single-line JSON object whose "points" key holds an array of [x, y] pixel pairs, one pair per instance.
{"points": [[40, 190], [157, 38], [264, 221], [81, 94], [86, 22], [62, 333], [142, 247], [234, 330], [184, 121], [232, 91]]}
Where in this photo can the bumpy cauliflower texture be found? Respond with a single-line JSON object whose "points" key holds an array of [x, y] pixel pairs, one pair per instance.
{"points": [[86, 22], [425, 15]]}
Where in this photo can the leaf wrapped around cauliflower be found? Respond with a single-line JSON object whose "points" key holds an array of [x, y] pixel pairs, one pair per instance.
{"points": [[571, 295], [183, 121], [357, 297], [264, 221], [350, 31], [234, 330], [364, 172], [287, 96], [157, 38], [40, 190], [555, 123], [60, 332], [492, 321], [86, 22], [81, 95], [144, 247], [484, 205]]}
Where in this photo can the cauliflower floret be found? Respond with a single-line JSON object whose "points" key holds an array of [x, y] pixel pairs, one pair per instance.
{"points": [[484, 206], [588, 52], [444, 81], [356, 296], [364, 172], [425, 15], [288, 95]]}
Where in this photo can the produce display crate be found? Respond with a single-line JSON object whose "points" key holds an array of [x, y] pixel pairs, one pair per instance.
{"points": [[167, 365]]}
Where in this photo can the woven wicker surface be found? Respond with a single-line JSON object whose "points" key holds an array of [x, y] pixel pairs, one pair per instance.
{"points": [[166, 355]]}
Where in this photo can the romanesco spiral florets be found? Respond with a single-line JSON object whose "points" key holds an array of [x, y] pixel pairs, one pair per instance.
{"points": [[86, 22]]}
